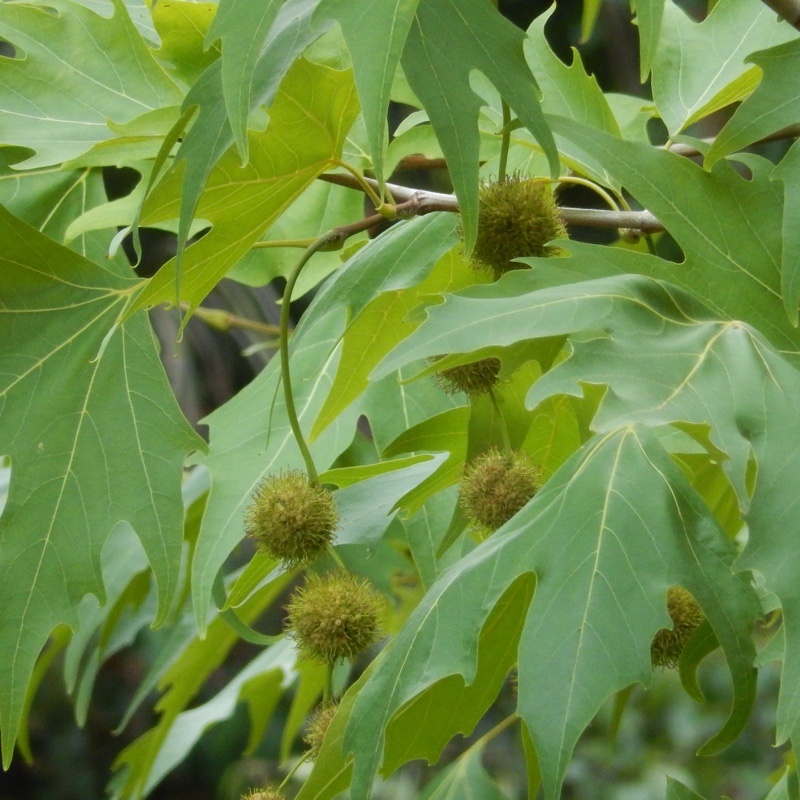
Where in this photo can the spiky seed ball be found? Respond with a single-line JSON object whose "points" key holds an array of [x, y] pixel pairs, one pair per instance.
{"points": [[262, 794], [334, 617], [317, 726], [290, 518], [495, 486], [473, 379], [686, 615], [517, 217]]}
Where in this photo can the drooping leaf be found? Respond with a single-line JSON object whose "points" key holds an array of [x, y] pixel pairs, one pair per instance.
{"points": [[774, 104], [688, 84], [57, 106], [600, 598], [92, 428], [308, 122], [375, 57], [448, 40], [464, 778], [241, 26]]}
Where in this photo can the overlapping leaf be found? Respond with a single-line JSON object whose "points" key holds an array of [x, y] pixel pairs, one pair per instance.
{"points": [[448, 40], [774, 104], [95, 437], [700, 67], [729, 228], [310, 118], [58, 106], [609, 533]]}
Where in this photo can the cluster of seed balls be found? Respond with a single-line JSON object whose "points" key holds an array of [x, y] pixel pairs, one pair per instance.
{"points": [[333, 616]]}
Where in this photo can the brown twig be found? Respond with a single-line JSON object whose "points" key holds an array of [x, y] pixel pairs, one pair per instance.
{"points": [[423, 202]]}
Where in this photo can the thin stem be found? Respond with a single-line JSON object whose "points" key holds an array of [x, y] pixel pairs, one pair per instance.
{"points": [[494, 732], [324, 240], [327, 687], [224, 320], [283, 243], [504, 143], [336, 557], [503, 427], [597, 189], [300, 761], [368, 190]]}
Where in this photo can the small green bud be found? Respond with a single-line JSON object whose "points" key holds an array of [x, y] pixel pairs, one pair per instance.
{"points": [[334, 617], [517, 217], [496, 486], [263, 794], [292, 519], [686, 615]]}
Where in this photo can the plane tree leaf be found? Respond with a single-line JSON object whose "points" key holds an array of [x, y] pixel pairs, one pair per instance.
{"points": [[448, 40], [773, 105], [309, 120], [375, 57], [57, 107], [747, 250], [688, 82], [92, 428], [600, 598]]}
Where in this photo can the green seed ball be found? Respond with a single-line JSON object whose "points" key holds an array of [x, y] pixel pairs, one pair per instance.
{"points": [[334, 617], [473, 379], [262, 794], [686, 615], [518, 216], [317, 728], [496, 486], [291, 519]]}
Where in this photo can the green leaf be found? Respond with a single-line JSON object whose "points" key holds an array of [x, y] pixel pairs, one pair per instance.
{"points": [[680, 791], [375, 57], [56, 105], [142, 764], [463, 778], [447, 40], [309, 120], [688, 85], [92, 428], [788, 171], [241, 26], [772, 106], [649, 17], [381, 324], [182, 26], [746, 250], [600, 598], [368, 507]]}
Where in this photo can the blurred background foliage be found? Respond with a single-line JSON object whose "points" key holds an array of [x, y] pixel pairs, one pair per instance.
{"points": [[619, 757]]}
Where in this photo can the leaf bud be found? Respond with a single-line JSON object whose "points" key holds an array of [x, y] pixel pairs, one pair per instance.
{"points": [[291, 518], [496, 486], [686, 615], [334, 617]]}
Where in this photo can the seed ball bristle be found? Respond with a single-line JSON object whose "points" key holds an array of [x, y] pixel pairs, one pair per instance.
{"points": [[334, 617], [517, 217], [496, 486], [317, 727], [292, 519], [262, 794], [473, 379], [686, 615]]}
